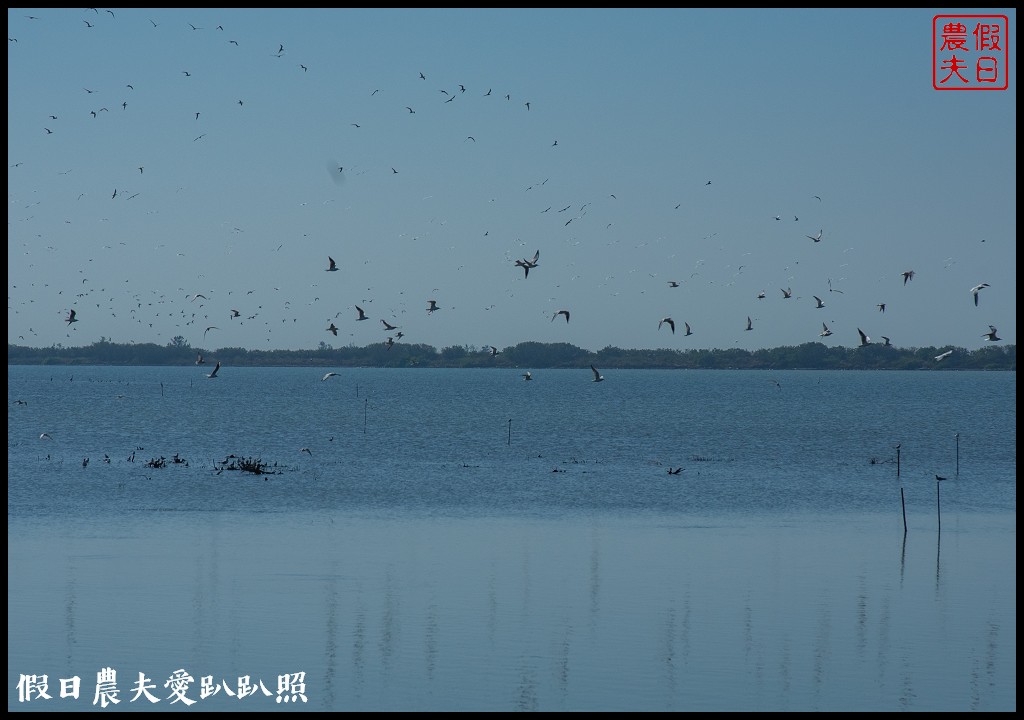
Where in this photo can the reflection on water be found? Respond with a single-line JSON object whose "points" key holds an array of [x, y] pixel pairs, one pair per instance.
{"points": [[607, 613], [422, 557]]}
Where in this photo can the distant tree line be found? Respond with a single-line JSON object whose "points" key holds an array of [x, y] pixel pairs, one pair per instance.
{"points": [[809, 356]]}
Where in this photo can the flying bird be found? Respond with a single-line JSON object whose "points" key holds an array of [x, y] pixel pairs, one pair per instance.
{"points": [[390, 342], [388, 327], [671, 324], [526, 264], [199, 359], [362, 315], [750, 325], [817, 299], [598, 377], [687, 325], [908, 276], [328, 376], [881, 307], [333, 329], [333, 266], [787, 293], [760, 295], [864, 339], [888, 342], [527, 375], [45, 436], [825, 332], [673, 283], [815, 238], [977, 289], [561, 312], [494, 351], [71, 317], [432, 306], [942, 356], [991, 334], [215, 370]]}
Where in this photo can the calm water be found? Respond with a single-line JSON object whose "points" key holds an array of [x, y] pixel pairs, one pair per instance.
{"points": [[466, 540]]}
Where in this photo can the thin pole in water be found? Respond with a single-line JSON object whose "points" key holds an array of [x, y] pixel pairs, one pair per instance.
{"points": [[161, 389], [903, 502], [938, 510], [510, 431], [365, 401]]}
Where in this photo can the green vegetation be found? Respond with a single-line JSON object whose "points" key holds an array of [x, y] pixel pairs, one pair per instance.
{"points": [[809, 356]]}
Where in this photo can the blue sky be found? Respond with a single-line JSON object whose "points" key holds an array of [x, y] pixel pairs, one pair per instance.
{"points": [[632, 148]]}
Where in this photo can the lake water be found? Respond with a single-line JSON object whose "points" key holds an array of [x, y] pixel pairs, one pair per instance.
{"points": [[461, 540]]}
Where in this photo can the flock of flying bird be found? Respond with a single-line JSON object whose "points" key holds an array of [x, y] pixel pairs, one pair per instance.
{"points": [[527, 263]]}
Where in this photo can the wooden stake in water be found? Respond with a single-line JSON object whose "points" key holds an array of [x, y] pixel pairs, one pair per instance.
{"points": [[367, 400], [510, 431], [938, 510]]}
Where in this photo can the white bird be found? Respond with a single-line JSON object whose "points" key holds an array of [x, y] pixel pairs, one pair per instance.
{"points": [[328, 376], [977, 289], [864, 339], [333, 267], [45, 436], [944, 355], [817, 299], [671, 323], [527, 375], [991, 334], [815, 238], [199, 359], [825, 332], [598, 377], [215, 370]]}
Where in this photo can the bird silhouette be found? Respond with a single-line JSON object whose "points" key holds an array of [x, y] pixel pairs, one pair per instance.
{"points": [[977, 289], [815, 238], [333, 329], [216, 369], [328, 376], [908, 276], [333, 266], [71, 317], [864, 339], [817, 300], [432, 306], [598, 377], [362, 315], [750, 325], [991, 334], [687, 326], [526, 264], [668, 321], [388, 327], [825, 332], [561, 312]]}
